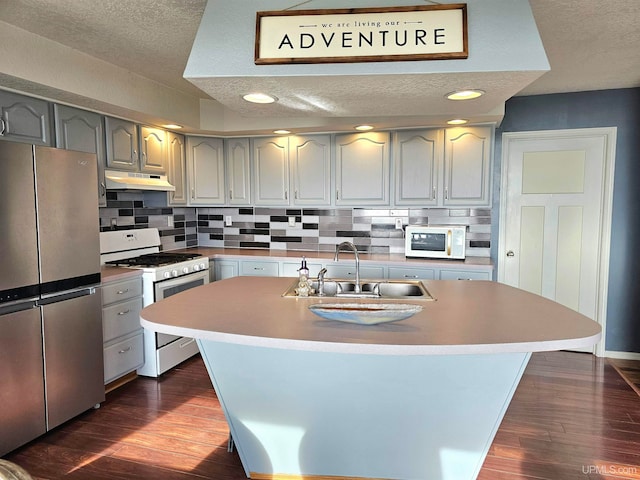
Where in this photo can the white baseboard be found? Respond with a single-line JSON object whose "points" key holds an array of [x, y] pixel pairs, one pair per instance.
{"points": [[622, 355]]}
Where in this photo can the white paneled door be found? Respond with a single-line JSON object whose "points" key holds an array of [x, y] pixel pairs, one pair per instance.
{"points": [[556, 216]]}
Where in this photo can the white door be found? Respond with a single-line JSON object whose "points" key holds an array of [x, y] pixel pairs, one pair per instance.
{"points": [[556, 216]]}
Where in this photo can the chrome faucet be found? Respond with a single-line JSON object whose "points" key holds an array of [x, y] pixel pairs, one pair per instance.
{"points": [[321, 275], [350, 246]]}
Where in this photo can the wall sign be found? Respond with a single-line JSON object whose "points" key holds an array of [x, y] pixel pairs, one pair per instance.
{"points": [[430, 32]]}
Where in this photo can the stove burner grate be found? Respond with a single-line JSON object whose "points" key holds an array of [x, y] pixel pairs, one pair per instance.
{"points": [[154, 259]]}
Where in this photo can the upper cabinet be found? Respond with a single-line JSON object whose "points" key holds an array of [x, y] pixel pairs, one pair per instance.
{"points": [[362, 169], [450, 167], [122, 144], [153, 150], [271, 170], [205, 166], [310, 161], [24, 119], [83, 131], [467, 166], [237, 164], [418, 158], [176, 168]]}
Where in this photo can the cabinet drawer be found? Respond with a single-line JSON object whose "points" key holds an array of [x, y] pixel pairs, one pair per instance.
{"points": [[266, 269], [121, 318], [464, 275], [349, 271], [401, 273], [124, 290], [123, 357]]}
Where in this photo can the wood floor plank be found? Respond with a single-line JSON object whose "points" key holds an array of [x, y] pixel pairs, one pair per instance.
{"points": [[573, 416]]}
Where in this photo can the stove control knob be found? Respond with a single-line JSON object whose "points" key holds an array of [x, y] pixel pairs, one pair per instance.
{"points": [[174, 273], [196, 267], [166, 274], [202, 266], [185, 269]]}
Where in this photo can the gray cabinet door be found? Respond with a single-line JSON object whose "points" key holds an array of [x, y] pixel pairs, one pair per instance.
{"points": [[176, 168], [362, 169], [122, 144], [153, 150], [24, 119], [311, 169], [237, 168], [82, 131], [467, 166], [271, 170], [418, 162], [205, 158]]}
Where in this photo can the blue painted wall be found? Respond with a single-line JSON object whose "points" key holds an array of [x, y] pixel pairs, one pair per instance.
{"points": [[605, 108]]}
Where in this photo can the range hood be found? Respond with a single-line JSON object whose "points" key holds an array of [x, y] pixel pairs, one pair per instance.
{"points": [[116, 180]]}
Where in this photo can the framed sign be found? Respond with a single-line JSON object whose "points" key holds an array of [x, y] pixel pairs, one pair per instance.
{"points": [[430, 32]]}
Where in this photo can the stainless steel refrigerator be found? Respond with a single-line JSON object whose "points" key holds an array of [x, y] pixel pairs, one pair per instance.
{"points": [[51, 362]]}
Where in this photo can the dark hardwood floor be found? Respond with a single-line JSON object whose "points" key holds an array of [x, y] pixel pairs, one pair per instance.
{"points": [[572, 417]]}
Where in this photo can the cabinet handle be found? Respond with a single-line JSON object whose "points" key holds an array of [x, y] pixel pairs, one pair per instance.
{"points": [[135, 155], [125, 350], [434, 193], [104, 189], [187, 343], [124, 312], [295, 194], [446, 193], [193, 193], [286, 195], [337, 194], [121, 292], [411, 276], [3, 130], [258, 268], [230, 194]]}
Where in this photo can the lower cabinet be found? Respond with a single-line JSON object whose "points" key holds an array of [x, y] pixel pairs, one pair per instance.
{"points": [[224, 268], [122, 333]]}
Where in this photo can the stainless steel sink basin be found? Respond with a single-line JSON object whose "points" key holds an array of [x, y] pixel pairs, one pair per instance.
{"points": [[413, 289]]}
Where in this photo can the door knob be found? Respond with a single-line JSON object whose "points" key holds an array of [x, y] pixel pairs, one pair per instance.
{"points": [[510, 253]]}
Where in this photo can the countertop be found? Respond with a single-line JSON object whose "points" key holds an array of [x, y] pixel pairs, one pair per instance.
{"points": [[114, 274], [466, 317]]}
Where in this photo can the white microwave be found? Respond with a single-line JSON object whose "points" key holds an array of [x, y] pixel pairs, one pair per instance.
{"points": [[435, 241]]}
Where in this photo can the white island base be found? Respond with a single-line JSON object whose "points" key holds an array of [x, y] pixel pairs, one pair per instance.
{"points": [[305, 414]]}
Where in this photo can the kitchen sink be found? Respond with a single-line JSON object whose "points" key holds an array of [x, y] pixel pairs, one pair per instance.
{"points": [[369, 289]]}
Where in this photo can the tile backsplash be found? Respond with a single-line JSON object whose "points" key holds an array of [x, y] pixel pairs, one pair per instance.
{"points": [[311, 229]]}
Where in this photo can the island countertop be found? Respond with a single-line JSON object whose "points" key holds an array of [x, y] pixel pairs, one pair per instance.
{"points": [[467, 317]]}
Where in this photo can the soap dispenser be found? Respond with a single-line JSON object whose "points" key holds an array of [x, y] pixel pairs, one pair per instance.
{"points": [[304, 288]]}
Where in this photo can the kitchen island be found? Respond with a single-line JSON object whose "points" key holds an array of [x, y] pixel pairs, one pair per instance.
{"points": [[420, 398]]}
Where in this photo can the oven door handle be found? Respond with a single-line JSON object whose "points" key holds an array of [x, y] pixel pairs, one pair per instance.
{"points": [[449, 240]]}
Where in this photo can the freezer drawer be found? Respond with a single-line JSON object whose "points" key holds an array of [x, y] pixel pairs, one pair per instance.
{"points": [[73, 357], [22, 416]]}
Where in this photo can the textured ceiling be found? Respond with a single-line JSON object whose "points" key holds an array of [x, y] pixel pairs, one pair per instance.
{"points": [[590, 45]]}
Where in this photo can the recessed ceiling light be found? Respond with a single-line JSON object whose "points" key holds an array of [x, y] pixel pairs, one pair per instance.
{"points": [[172, 125], [457, 121], [464, 94], [281, 132], [259, 98], [364, 128]]}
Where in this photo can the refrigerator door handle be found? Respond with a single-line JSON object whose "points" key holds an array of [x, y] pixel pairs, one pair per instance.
{"points": [[17, 307], [67, 296]]}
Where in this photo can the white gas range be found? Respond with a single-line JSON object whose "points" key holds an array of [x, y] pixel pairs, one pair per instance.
{"points": [[163, 274]]}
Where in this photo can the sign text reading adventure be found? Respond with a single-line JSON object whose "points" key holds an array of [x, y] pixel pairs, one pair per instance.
{"points": [[362, 35]]}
